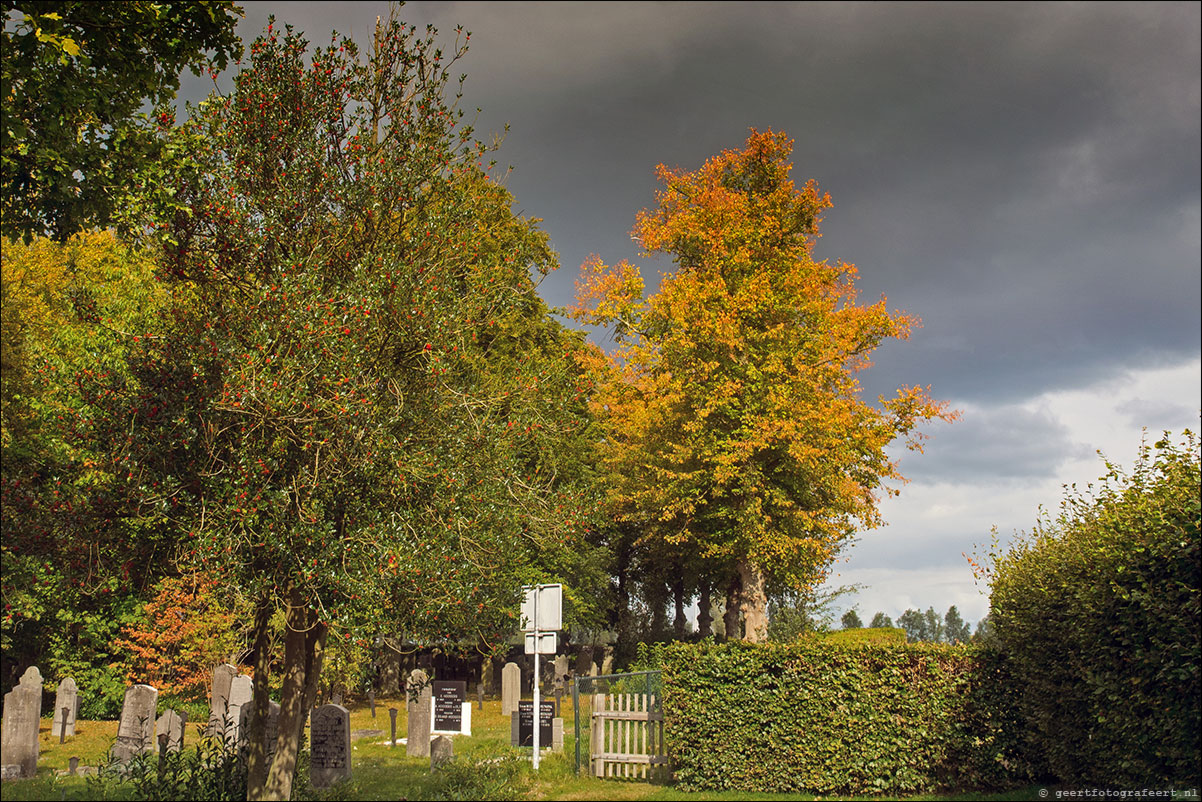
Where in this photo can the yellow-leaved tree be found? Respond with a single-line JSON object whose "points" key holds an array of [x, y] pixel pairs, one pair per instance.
{"points": [[736, 439]]}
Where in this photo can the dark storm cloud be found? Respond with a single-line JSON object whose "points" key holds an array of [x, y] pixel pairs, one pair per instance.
{"points": [[1024, 177]]}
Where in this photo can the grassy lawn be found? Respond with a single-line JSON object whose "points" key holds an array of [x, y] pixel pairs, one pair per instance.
{"points": [[381, 772]]}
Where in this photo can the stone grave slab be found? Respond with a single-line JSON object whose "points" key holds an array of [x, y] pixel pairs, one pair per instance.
{"points": [[329, 745]]}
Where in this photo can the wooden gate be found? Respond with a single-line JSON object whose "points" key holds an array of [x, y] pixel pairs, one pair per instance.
{"points": [[627, 736]]}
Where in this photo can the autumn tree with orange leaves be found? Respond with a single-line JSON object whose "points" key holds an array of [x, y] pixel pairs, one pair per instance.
{"points": [[737, 442]]}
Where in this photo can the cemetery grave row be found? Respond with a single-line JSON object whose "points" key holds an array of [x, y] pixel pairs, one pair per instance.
{"points": [[436, 711]]}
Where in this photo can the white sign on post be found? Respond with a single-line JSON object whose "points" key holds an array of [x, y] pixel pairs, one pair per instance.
{"points": [[550, 608], [542, 610], [548, 642]]}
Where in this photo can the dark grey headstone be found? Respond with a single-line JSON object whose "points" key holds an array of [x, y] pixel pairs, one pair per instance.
{"points": [[329, 745]]}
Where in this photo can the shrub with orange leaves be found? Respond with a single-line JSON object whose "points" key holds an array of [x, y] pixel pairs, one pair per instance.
{"points": [[186, 630]]}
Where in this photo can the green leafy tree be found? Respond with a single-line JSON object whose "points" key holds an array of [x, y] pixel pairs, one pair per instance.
{"points": [[362, 414], [916, 625], [851, 620], [934, 626], [79, 549], [955, 628], [75, 75], [793, 614], [881, 621]]}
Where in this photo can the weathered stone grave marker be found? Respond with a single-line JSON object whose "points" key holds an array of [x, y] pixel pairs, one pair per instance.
{"points": [[442, 750], [392, 711], [329, 745], [22, 712], [242, 694], [66, 697], [171, 726], [418, 704], [223, 675], [511, 688], [135, 730]]}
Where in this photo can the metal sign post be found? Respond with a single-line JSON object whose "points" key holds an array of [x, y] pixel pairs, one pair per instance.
{"points": [[537, 709], [542, 610]]}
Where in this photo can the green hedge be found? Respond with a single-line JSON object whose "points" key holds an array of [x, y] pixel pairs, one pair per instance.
{"points": [[825, 717], [1099, 610]]}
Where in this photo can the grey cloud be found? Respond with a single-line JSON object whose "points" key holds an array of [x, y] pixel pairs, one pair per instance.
{"points": [[1159, 415], [994, 444]]}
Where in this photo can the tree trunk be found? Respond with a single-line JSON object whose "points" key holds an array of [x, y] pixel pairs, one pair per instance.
{"points": [[656, 594], [705, 620], [730, 619], [256, 756], [753, 599], [678, 599], [304, 643]]}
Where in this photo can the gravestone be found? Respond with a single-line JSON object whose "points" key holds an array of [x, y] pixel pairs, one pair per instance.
{"points": [[67, 696], [448, 698], [271, 730], [223, 675], [557, 734], [22, 712], [607, 661], [511, 688], [242, 695], [171, 724], [418, 703], [562, 672], [329, 745], [442, 750], [521, 732], [135, 730]]}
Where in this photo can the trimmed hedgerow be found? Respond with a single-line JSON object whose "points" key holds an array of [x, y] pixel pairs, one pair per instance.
{"points": [[826, 717]]}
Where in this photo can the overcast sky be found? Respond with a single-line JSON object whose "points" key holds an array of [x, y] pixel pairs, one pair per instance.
{"points": [[1022, 177]]}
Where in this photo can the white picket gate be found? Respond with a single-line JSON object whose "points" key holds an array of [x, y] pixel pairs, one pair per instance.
{"points": [[627, 736]]}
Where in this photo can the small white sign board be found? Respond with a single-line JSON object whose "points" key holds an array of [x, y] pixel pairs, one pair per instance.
{"points": [[550, 608], [548, 642]]}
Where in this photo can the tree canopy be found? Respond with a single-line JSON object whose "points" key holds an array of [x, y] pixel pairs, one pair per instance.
{"points": [[75, 78], [734, 425]]}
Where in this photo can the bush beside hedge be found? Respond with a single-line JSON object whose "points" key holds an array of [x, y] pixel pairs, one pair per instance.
{"points": [[826, 717]]}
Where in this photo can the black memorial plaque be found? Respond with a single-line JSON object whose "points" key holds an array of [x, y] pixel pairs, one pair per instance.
{"points": [[526, 723], [448, 697]]}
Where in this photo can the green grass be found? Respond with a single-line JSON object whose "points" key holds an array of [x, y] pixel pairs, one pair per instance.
{"points": [[381, 772]]}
